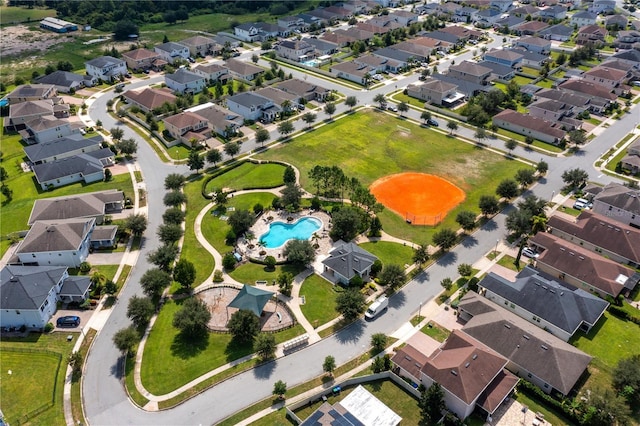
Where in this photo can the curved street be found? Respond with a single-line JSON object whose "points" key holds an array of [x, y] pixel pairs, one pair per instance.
{"points": [[104, 395]]}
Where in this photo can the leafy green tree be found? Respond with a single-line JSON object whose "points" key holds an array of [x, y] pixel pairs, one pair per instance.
{"points": [[173, 215], [244, 325], [626, 379], [262, 135], [136, 224], [240, 221], [265, 345], [381, 100], [309, 118], [192, 319], [195, 161], [169, 233], [525, 177], [351, 101], [279, 389], [231, 149], [330, 109], [163, 256], [431, 405], [508, 188], [184, 273], [402, 108], [270, 263], [393, 276], [379, 342], [127, 146], [291, 196], [575, 178], [533, 205], [285, 283], [75, 361], [447, 283], [510, 145], [425, 116], [604, 408], [174, 181], [488, 205], [347, 223], [452, 126], [285, 128], [465, 270], [214, 156], [542, 167], [110, 287], [421, 255], [174, 198], [126, 339], [289, 175], [154, 281], [124, 28], [351, 304], [116, 133], [140, 310], [300, 252], [229, 262], [467, 220], [445, 238], [329, 365]]}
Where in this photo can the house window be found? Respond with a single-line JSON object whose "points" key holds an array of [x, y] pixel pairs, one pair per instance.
{"points": [[512, 306], [506, 303], [17, 312], [529, 375]]}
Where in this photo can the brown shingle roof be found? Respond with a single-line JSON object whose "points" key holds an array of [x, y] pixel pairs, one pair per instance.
{"points": [[151, 98], [410, 359], [59, 235], [606, 72], [471, 68], [139, 54], [530, 122]]}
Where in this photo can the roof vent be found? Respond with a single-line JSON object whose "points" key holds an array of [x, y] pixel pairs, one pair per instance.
{"points": [[408, 358], [474, 356], [562, 293], [563, 249], [544, 347], [602, 223], [552, 291], [616, 229], [581, 257], [572, 253], [467, 365], [525, 336], [507, 326], [454, 372], [544, 287]]}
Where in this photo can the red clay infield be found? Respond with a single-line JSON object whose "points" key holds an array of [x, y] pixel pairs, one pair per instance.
{"points": [[418, 197]]}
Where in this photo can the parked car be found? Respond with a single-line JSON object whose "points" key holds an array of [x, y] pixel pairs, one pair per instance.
{"points": [[582, 203], [301, 107], [190, 59], [68, 321], [432, 122], [392, 108], [530, 253]]}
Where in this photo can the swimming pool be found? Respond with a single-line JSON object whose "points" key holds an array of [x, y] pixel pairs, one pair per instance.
{"points": [[311, 63], [280, 232]]}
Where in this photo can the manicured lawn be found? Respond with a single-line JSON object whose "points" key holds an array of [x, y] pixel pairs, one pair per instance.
{"points": [[369, 145], [611, 165], [522, 80], [9, 14], [215, 230], [249, 175], [191, 249], [37, 376], [508, 262], [188, 359], [249, 273], [550, 415], [390, 253], [320, 299], [436, 331], [545, 83]]}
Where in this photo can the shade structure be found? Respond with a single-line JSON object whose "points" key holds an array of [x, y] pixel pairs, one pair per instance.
{"points": [[252, 299]]}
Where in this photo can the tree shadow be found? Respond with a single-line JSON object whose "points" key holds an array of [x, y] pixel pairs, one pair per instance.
{"points": [[469, 241], [117, 369], [237, 349], [397, 300], [490, 225], [264, 371], [422, 277], [351, 333], [186, 346], [447, 259]]}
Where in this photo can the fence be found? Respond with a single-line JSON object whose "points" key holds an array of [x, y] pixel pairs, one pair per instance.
{"points": [[423, 220]]}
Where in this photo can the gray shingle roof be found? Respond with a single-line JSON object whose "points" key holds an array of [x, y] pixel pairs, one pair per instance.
{"points": [[348, 259], [27, 287], [81, 205], [61, 78], [171, 46], [75, 286], [41, 151], [620, 196], [183, 76], [104, 61], [56, 235], [86, 164], [560, 304]]}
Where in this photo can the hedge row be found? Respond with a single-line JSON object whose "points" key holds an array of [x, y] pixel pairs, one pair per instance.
{"points": [[215, 175], [535, 392], [622, 314]]}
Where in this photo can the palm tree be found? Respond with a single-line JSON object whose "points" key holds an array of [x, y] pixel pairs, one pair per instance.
{"points": [[286, 107], [425, 116], [367, 80], [379, 98]]}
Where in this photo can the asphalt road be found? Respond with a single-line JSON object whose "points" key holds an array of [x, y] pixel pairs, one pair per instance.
{"points": [[105, 400]]}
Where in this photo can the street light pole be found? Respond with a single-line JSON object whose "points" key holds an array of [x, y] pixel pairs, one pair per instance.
{"points": [[495, 252], [420, 312]]}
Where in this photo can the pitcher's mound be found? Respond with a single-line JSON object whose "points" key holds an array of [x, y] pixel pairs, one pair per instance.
{"points": [[421, 199]]}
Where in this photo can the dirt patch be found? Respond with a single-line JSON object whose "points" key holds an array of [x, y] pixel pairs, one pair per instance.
{"points": [[19, 39], [421, 199]]}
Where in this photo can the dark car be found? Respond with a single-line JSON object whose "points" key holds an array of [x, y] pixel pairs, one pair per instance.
{"points": [[432, 122], [68, 321]]}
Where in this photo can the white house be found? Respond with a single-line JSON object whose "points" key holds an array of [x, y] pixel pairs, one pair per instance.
{"points": [[48, 128], [106, 67], [247, 32], [63, 242], [346, 261], [584, 18], [170, 51], [184, 81], [87, 167], [253, 106]]}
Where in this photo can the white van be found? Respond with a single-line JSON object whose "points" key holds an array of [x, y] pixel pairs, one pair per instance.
{"points": [[581, 203], [376, 307]]}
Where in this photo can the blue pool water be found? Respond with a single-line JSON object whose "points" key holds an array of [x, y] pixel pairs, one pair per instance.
{"points": [[279, 232], [311, 63]]}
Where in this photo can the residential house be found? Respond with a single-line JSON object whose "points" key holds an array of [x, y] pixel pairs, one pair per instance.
{"points": [[63, 242], [591, 34], [106, 68], [610, 78], [295, 50], [321, 47], [339, 12], [48, 128], [351, 71], [467, 88], [621, 65], [528, 125], [67, 146], [578, 102], [248, 32], [419, 52], [509, 58], [531, 28], [220, 120], [269, 31], [354, 34], [30, 294], [304, 90], [347, 261], [627, 39], [95, 205], [104, 237], [31, 92], [630, 164], [212, 72], [170, 51], [559, 32], [582, 268], [253, 107], [583, 19], [434, 44], [550, 110], [600, 96], [398, 60], [435, 92], [404, 17], [556, 12], [616, 22], [149, 98], [600, 234], [602, 6], [632, 57], [201, 46], [554, 306], [142, 59], [470, 71], [531, 59], [292, 23], [21, 113], [533, 354], [508, 23], [486, 18], [525, 10], [184, 81], [619, 203], [87, 167], [188, 127], [471, 374], [535, 44], [464, 34], [243, 70], [279, 97], [65, 82], [498, 71], [445, 36], [224, 40]]}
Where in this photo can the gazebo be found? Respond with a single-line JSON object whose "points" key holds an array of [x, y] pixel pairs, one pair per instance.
{"points": [[252, 299]]}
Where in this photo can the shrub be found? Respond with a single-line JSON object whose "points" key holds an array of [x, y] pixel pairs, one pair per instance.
{"points": [[217, 276], [85, 267], [48, 328]]}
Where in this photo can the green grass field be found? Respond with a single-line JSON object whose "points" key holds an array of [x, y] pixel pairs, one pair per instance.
{"points": [[436, 331], [191, 249], [369, 145], [10, 14], [320, 300], [35, 374], [249, 273], [390, 253], [249, 175], [185, 360]]}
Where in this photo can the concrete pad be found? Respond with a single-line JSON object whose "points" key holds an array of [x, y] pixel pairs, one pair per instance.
{"points": [[404, 332], [425, 344], [447, 319]]}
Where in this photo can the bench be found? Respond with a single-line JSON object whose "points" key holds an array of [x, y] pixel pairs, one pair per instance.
{"points": [[279, 315], [262, 282], [294, 343]]}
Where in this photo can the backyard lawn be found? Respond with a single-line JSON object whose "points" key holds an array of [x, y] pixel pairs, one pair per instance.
{"points": [[188, 359], [436, 331], [249, 273], [191, 249], [320, 299], [369, 145], [249, 175], [37, 365], [390, 253]]}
